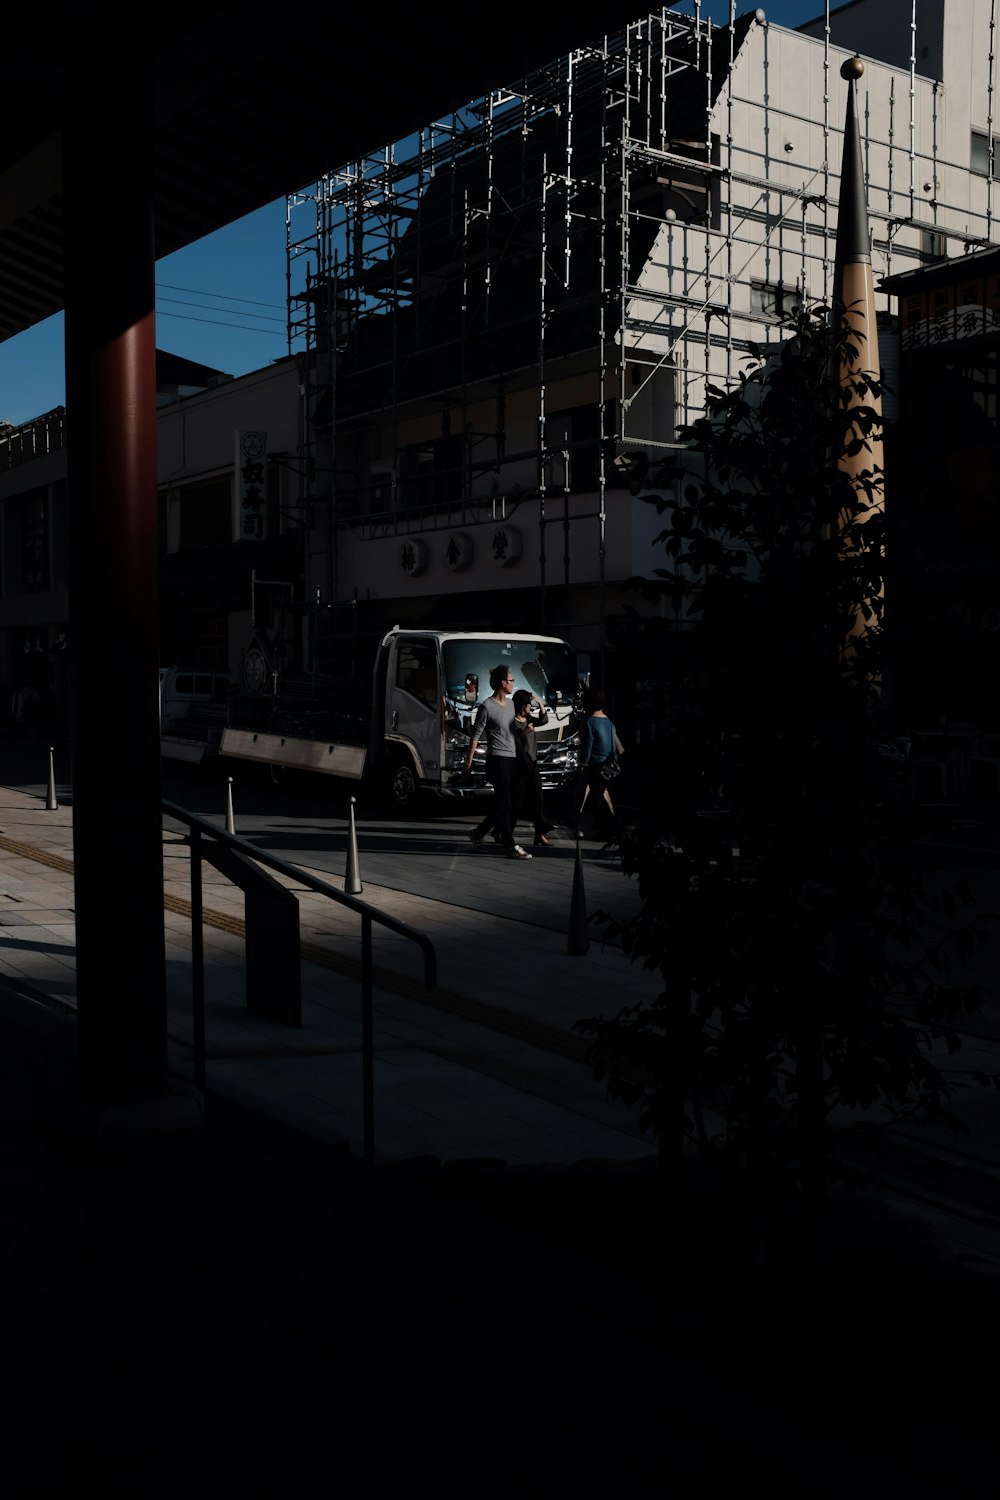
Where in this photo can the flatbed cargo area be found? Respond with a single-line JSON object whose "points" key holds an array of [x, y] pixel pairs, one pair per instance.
{"points": [[295, 753]]}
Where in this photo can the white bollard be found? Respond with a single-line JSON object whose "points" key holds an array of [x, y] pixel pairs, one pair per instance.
{"points": [[352, 880], [50, 801], [230, 821]]}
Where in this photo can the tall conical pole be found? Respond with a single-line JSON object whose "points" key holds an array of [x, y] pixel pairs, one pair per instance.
{"points": [[858, 375], [50, 801], [859, 371], [352, 877], [578, 939]]}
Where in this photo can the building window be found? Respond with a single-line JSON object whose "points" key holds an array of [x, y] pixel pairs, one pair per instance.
{"points": [[650, 415], [416, 671], [770, 299], [59, 527], [932, 245], [431, 473], [973, 383], [979, 156], [572, 460], [206, 513], [35, 544]]}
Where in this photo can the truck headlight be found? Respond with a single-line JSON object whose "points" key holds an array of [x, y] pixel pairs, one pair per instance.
{"points": [[456, 748], [563, 758]]}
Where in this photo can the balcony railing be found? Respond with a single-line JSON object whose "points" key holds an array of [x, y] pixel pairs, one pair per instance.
{"points": [[34, 439]]}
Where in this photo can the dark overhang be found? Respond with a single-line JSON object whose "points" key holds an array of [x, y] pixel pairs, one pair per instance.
{"points": [[943, 273], [251, 100]]}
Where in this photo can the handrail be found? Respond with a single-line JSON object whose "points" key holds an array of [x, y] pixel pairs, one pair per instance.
{"points": [[368, 914]]}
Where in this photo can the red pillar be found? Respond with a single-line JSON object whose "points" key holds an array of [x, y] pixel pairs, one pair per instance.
{"points": [[112, 495]]}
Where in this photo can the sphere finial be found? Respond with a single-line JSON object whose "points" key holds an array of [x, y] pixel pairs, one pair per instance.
{"points": [[852, 68]]}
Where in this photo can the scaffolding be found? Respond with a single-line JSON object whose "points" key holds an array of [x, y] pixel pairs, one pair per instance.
{"points": [[597, 242]]}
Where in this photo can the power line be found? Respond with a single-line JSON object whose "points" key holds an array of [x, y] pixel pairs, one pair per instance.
{"points": [[218, 323], [207, 307], [222, 296]]}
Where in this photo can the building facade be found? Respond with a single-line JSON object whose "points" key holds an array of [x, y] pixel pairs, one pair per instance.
{"points": [[945, 518], [506, 319], [510, 316]]}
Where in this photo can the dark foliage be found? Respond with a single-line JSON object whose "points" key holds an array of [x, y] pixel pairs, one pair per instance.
{"points": [[807, 959]]}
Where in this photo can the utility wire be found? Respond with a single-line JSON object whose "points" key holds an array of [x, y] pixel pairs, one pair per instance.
{"points": [[222, 296], [218, 323], [207, 307]]}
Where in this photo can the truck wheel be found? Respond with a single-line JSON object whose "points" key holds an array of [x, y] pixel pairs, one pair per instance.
{"points": [[403, 787]]}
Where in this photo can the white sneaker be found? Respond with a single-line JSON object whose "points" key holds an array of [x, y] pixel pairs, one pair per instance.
{"points": [[518, 853]]}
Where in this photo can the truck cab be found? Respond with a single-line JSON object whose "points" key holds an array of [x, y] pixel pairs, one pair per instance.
{"points": [[193, 710], [427, 687]]}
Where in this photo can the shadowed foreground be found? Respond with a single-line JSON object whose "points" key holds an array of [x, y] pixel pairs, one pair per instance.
{"points": [[263, 1313]]}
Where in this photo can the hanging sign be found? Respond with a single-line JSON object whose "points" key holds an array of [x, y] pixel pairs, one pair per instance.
{"points": [[458, 552], [505, 546], [413, 557], [250, 504]]}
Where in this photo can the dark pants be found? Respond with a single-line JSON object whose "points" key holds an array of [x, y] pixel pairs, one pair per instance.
{"points": [[500, 773], [528, 799], [601, 814]]}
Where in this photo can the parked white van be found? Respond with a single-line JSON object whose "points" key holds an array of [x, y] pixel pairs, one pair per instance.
{"points": [[194, 708]]}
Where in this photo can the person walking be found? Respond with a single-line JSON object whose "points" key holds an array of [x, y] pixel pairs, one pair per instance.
{"points": [[527, 794], [529, 715], [495, 719], [599, 743]]}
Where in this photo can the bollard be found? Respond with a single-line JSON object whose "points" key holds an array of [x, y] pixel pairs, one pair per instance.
{"points": [[352, 880], [230, 820], [50, 801], [579, 938]]}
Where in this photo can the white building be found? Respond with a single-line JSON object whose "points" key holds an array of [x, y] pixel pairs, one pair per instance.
{"points": [[506, 311], [508, 316]]}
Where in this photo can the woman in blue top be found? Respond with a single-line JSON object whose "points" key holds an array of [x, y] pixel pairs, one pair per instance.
{"points": [[598, 741]]}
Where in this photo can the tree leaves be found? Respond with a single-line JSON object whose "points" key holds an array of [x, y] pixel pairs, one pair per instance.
{"points": [[806, 962]]}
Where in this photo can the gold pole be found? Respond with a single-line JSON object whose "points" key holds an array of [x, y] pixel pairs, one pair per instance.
{"points": [[859, 367]]}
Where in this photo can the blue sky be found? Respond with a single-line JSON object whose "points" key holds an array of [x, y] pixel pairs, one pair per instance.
{"points": [[221, 301]]}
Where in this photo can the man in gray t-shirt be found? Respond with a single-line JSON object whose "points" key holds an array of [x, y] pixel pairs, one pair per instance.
{"points": [[495, 720]]}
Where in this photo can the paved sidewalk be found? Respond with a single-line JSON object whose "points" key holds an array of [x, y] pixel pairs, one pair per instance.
{"points": [[268, 1316], [485, 1065]]}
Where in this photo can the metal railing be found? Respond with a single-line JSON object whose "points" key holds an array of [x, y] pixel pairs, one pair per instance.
{"points": [[201, 827], [32, 439]]}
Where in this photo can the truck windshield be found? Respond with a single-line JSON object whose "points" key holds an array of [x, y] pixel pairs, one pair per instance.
{"points": [[547, 668]]}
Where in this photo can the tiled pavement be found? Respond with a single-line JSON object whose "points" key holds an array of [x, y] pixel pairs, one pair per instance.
{"points": [[487, 1064]]}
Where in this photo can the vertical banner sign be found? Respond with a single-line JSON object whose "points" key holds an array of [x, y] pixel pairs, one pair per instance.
{"points": [[854, 297], [250, 496]]}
